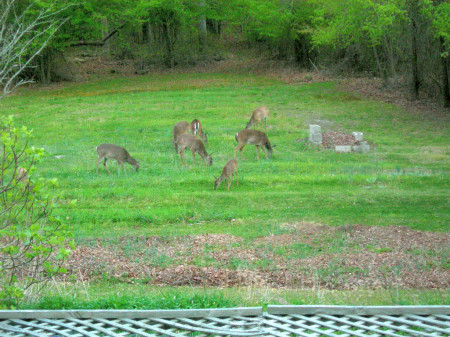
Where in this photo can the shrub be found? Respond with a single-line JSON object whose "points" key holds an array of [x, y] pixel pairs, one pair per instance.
{"points": [[33, 243]]}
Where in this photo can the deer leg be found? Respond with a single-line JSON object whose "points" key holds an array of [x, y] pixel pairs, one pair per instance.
{"points": [[98, 162], [183, 161], [123, 166], [193, 155], [257, 151], [106, 167], [240, 147], [237, 178], [265, 153], [229, 180]]}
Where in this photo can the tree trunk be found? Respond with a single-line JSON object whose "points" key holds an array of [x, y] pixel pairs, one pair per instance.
{"points": [[444, 74], [377, 60], [202, 28], [105, 31], [414, 63], [169, 46], [390, 57]]}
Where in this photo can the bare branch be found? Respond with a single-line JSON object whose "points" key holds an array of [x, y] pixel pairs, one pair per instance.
{"points": [[23, 36]]}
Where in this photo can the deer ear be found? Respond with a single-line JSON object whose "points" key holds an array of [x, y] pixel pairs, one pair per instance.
{"points": [[215, 177]]}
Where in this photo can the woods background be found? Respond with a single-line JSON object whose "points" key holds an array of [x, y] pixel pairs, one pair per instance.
{"points": [[404, 42]]}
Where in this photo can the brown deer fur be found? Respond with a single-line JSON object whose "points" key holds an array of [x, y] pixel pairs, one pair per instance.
{"points": [[180, 129], [253, 137], [259, 116], [196, 127], [110, 151], [229, 170], [196, 146]]}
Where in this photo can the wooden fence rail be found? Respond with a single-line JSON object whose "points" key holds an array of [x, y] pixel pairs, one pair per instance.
{"points": [[280, 321]]}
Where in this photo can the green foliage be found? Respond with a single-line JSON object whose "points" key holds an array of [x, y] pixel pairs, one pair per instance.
{"points": [[441, 22], [155, 299], [33, 243], [340, 23]]}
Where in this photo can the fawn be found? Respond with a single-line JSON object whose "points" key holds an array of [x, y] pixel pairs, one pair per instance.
{"points": [[252, 137], [259, 116], [179, 129], [197, 130], [195, 144], [229, 170], [110, 151]]}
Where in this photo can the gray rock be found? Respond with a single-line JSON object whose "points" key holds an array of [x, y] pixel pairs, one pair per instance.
{"points": [[343, 148]]}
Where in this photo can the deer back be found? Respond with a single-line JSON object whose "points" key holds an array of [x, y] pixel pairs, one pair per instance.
{"points": [[180, 128], [253, 137], [229, 168], [258, 115], [112, 151]]}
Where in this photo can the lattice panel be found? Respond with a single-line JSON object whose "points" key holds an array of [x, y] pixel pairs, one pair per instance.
{"points": [[279, 321], [353, 325]]}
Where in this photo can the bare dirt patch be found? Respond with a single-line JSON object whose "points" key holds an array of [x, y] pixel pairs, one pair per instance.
{"points": [[375, 89], [332, 138], [310, 255]]}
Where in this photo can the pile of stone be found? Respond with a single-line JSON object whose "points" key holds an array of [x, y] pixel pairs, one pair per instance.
{"points": [[339, 141]]}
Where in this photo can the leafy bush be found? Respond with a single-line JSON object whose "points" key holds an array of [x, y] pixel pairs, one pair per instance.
{"points": [[33, 243]]}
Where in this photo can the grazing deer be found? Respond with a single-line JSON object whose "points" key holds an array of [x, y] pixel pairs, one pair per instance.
{"points": [[22, 175], [196, 128], [110, 151], [229, 170], [195, 144], [179, 129], [259, 116], [252, 137]]}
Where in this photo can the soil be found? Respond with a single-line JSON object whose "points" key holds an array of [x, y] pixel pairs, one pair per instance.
{"points": [[307, 256]]}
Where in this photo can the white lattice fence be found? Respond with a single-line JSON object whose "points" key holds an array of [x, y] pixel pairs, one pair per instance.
{"points": [[278, 321], [357, 321]]}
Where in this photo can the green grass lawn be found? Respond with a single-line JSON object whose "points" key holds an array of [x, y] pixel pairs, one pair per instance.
{"points": [[402, 181]]}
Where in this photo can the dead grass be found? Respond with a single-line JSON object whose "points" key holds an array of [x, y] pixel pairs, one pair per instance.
{"points": [[362, 257]]}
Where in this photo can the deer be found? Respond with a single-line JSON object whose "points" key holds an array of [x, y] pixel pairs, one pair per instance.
{"points": [[196, 146], [179, 129], [259, 115], [253, 137], [196, 128], [111, 151], [22, 175], [229, 170]]}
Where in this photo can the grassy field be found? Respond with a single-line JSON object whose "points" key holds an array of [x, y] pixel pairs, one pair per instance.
{"points": [[402, 181]]}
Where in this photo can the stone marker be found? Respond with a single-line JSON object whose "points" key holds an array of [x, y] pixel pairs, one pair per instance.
{"points": [[343, 148], [362, 147], [315, 134], [358, 136]]}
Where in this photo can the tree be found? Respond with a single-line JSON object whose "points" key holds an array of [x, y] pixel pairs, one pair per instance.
{"points": [[33, 243], [25, 30], [441, 27]]}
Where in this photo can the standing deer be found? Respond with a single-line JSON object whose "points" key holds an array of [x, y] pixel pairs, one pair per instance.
{"points": [[195, 144], [229, 170], [179, 129], [197, 130], [252, 137], [110, 151], [260, 115]]}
